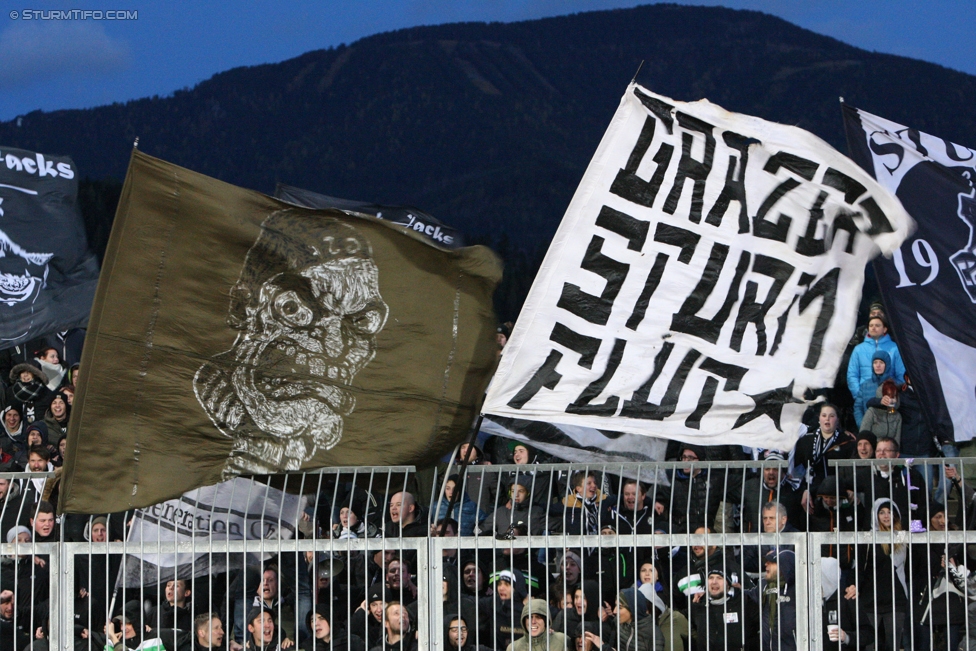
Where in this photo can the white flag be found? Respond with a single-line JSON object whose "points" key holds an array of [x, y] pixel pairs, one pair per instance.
{"points": [[705, 276]]}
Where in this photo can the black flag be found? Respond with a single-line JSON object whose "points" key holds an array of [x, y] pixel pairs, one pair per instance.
{"points": [[47, 273], [929, 285], [412, 219]]}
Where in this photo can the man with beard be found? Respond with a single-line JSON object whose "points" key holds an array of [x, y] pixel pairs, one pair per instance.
{"points": [[399, 636], [776, 598], [724, 620], [27, 392], [457, 633], [13, 629]]}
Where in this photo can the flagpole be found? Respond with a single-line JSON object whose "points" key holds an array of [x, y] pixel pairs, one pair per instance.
{"points": [[464, 466]]}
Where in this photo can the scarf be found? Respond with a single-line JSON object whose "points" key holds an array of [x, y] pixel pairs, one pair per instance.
{"points": [[27, 392], [821, 447], [53, 372]]}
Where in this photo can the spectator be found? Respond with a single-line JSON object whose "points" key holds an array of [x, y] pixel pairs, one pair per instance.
{"points": [[582, 509], [773, 485], [776, 597], [695, 493], [535, 630], [261, 627], [842, 625], [882, 582], [518, 509], [585, 606], [901, 483], [457, 633], [500, 610], [812, 452], [467, 606], [866, 442], [482, 492], [13, 426], [208, 632], [836, 509], [325, 637], [398, 634], [50, 364], [723, 619], [465, 511], [175, 613], [269, 599], [938, 605], [635, 629], [673, 625], [399, 584], [367, 621], [473, 575], [633, 515], [56, 417], [569, 569], [880, 371], [27, 393], [916, 442], [404, 517], [882, 417], [330, 588], [540, 482], [859, 368]]}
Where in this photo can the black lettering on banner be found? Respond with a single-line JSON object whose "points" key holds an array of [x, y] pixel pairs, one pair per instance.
{"points": [[687, 320], [660, 109], [546, 376], [809, 244], [582, 404], [632, 229], [650, 286], [950, 150], [827, 288], [851, 188], [879, 221], [639, 407], [735, 185], [595, 309], [752, 312], [632, 187], [781, 326], [885, 149], [805, 169], [733, 377], [691, 168], [844, 221], [587, 347], [687, 241]]}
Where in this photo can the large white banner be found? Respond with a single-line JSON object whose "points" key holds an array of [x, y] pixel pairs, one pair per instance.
{"points": [[239, 509], [705, 276]]}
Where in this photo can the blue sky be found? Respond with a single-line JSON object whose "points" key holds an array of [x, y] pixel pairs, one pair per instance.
{"points": [[57, 64]]}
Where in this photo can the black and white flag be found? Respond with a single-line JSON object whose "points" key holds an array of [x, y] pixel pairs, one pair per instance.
{"points": [[235, 510], [410, 218], [929, 285], [47, 273], [705, 276]]}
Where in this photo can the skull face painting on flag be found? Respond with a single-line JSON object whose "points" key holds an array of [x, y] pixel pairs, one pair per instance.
{"points": [[703, 282]]}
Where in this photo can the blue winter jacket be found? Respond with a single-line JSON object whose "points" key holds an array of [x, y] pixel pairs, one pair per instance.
{"points": [[467, 513], [859, 368], [869, 387]]}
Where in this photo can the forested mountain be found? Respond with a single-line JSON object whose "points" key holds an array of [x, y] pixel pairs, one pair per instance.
{"points": [[489, 126]]}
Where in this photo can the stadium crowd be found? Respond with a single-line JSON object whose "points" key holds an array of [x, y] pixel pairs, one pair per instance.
{"points": [[883, 592]]}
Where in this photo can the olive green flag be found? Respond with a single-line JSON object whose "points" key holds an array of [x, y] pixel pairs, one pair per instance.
{"points": [[234, 334]]}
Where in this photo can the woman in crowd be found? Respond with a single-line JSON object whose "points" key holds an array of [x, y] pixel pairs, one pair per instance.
{"points": [[882, 580], [813, 451], [673, 625], [465, 511]]}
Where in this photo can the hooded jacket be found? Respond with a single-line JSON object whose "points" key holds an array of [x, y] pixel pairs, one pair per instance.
{"points": [[339, 640], [727, 622], [777, 604], [30, 398], [882, 578], [868, 388], [859, 366], [546, 641]]}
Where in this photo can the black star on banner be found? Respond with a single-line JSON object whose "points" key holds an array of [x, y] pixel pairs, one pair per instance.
{"points": [[769, 403]]}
